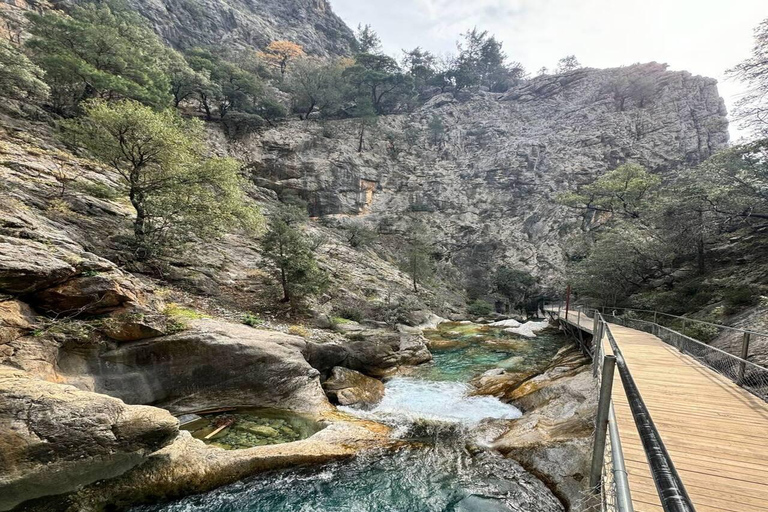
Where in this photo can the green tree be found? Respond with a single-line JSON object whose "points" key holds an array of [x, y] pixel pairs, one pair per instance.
{"points": [[568, 63], [752, 108], [366, 118], [178, 193], [20, 78], [368, 40], [359, 235], [481, 61], [316, 85], [420, 65], [100, 51], [380, 78], [418, 262], [229, 86], [626, 191], [515, 284], [286, 245]]}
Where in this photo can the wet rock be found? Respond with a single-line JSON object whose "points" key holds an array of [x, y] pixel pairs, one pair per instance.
{"points": [[55, 438], [188, 466], [553, 438], [348, 387], [381, 351], [16, 318], [88, 294], [371, 352]]}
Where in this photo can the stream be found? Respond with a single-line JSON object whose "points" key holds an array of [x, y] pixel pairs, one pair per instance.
{"points": [[438, 469]]}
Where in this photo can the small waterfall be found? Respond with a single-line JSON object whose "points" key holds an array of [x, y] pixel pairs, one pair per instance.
{"points": [[408, 400]]}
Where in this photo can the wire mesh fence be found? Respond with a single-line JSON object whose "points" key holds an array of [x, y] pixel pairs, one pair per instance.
{"points": [[748, 375]]}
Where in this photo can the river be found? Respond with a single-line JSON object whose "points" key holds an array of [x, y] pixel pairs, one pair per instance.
{"points": [[439, 467]]}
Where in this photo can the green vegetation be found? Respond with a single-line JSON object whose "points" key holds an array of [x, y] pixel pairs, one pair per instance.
{"points": [[100, 51], [251, 320], [480, 308], [178, 193], [287, 247], [20, 78], [417, 261], [516, 285]]}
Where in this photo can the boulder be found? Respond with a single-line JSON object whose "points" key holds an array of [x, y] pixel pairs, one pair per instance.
{"points": [[16, 317], [92, 294], [373, 353], [211, 364], [379, 352], [130, 324], [27, 265], [56, 438], [348, 387]]}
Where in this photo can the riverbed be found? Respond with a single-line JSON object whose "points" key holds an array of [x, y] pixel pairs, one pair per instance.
{"points": [[438, 466]]}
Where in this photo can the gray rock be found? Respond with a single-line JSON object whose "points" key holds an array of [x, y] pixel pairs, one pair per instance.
{"points": [[55, 438], [212, 364], [248, 24], [348, 387]]}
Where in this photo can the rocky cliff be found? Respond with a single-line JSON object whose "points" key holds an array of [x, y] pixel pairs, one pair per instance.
{"points": [[485, 185], [245, 23]]}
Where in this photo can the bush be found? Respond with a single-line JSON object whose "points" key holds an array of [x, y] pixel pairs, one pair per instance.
{"points": [[299, 330], [252, 320], [701, 332], [480, 308], [739, 298], [349, 313], [240, 124]]}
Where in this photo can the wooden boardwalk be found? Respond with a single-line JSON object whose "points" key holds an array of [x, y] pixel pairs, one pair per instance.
{"points": [[715, 432]]}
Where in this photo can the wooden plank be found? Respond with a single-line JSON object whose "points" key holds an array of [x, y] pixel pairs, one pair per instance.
{"points": [[715, 432]]}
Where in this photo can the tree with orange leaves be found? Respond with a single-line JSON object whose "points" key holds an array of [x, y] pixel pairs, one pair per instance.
{"points": [[280, 53]]}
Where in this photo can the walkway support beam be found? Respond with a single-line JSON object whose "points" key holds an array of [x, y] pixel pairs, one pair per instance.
{"points": [[601, 424]]}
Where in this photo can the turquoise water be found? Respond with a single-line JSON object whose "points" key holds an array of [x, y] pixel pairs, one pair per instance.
{"points": [[435, 472], [430, 479]]}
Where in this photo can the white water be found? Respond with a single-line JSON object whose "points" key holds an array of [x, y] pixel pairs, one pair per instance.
{"points": [[408, 399]]}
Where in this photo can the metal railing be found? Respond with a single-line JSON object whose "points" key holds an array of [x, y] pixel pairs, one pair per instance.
{"points": [[746, 374], [608, 474]]}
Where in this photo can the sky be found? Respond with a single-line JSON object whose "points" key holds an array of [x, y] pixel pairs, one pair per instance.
{"points": [[705, 37]]}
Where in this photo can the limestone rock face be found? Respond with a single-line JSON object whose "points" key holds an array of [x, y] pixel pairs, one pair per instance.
{"points": [[212, 364], [493, 177], [87, 294], [55, 438], [248, 23], [16, 317], [348, 387]]}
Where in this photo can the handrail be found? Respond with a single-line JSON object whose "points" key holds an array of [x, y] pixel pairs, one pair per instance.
{"points": [[684, 318], [669, 485]]}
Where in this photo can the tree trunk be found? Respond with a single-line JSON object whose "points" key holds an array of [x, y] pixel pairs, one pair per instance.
{"points": [[284, 283], [360, 142]]}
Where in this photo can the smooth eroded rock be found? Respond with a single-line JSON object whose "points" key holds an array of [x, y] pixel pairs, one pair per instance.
{"points": [[55, 438], [348, 387]]}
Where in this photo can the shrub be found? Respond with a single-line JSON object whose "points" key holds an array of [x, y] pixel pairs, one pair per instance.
{"points": [[299, 330], [240, 124], [701, 332], [176, 311], [741, 297], [349, 313], [252, 320], [480, 308]]}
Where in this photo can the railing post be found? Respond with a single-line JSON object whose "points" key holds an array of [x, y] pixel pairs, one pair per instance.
{"points": [[744, 355], [654, 316], [578, 318], [623, 495], [601, 424]]}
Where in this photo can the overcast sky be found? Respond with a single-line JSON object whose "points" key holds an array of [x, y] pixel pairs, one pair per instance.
{"points": [[705, 37]]}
